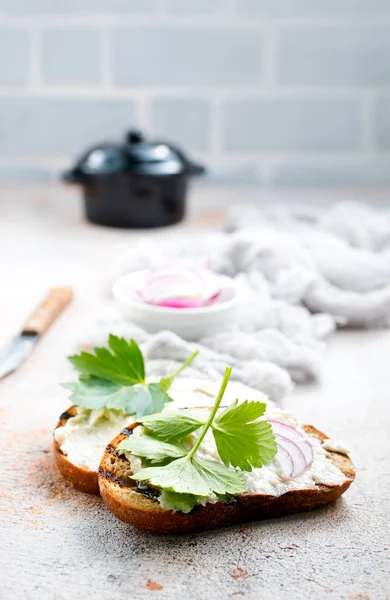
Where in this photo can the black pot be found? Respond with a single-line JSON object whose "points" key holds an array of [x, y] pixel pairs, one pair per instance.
{"points": [[138, 184]]}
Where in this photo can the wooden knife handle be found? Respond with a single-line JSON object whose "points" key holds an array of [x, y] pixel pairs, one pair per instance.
{"points": [[48, 310]]}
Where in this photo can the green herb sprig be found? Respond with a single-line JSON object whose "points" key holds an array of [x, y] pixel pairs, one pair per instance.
{"points": [[114, 377], [243, 442]]}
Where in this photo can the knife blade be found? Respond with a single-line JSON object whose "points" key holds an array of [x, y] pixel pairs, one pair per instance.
{"points": [[23, 344]]}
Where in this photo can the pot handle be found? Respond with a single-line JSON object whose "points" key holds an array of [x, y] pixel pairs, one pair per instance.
{"points": [[72, 176], [195, 169]]}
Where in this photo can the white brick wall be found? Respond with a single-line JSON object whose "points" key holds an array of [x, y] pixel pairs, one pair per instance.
{"points": [[276, 92]]}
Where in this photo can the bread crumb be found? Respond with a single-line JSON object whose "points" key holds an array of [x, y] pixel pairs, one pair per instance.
{"points": [[239, 573], [153, 585]]}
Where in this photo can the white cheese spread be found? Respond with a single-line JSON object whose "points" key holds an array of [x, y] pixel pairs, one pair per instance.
{"points": [[190, 393], [270, 479], [335, 447], [84, 437]]}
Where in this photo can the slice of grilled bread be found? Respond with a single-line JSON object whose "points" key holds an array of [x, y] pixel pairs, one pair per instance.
{"points": [[129, 504], [83, 479]]}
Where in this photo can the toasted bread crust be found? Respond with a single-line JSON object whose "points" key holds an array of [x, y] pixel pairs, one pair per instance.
{"points": [[82, 479], [146, 514]]}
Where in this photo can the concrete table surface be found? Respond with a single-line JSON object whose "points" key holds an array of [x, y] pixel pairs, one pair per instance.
{"points": [[57, 543]]}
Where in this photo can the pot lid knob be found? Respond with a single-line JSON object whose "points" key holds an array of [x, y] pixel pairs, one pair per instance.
{"points": [[134, 136]]}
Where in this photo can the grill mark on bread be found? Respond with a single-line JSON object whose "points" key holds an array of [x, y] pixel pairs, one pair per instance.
{"points": [[111, 450], [65, 416], [148, 491], [127, 431], [105, 473], [110, 476]]}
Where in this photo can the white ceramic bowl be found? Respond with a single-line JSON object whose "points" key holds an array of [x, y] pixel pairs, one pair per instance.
{"points": [[188, 323]]}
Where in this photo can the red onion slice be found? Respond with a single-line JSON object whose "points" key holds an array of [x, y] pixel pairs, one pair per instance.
{"points": [[285, 461], [295, 453], [286, 430], [295, 436], [180, 303], [307, 450], [180, 287]]}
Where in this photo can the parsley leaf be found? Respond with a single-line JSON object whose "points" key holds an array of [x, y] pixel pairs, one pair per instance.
{"points": [[114, 378], [178, 476], [186, 502], [242, 441], [190, 475], [174, 501], [96, 393], [124, 365], [139, 399], [221, 479], [146, 399], [148, 447], [172, 425]]}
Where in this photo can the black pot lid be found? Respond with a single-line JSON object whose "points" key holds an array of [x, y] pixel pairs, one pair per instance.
{"points": [[136, 156]]}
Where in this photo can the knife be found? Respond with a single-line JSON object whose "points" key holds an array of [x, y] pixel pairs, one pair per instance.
{"points": [[22, 345]]}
